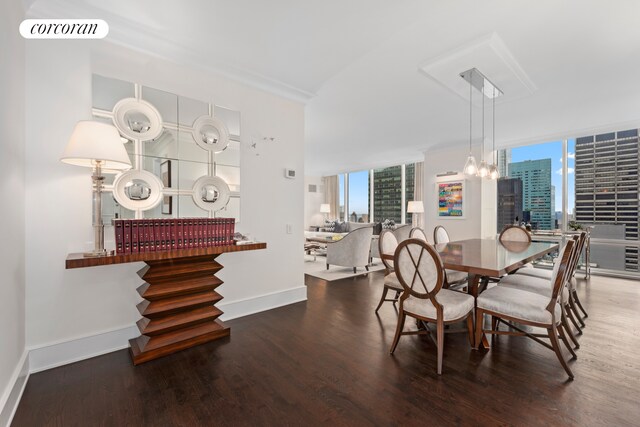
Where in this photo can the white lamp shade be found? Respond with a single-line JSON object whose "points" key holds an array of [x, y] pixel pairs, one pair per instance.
{"points": [[415, 206], [325, 208], [91, 141]]}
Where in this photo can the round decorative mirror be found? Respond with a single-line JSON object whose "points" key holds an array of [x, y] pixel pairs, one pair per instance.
{"points": [[137, 119], [137, 190], [211, 193], [210, 133]]}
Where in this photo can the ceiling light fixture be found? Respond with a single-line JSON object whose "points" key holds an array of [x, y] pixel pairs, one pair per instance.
{"points": [[487, 88]]}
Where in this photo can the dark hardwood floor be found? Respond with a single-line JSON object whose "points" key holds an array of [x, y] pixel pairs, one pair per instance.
{"points": [[326, 361]]}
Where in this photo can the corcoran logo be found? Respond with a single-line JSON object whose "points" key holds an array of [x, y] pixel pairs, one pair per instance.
{"points": [[64, 29]]}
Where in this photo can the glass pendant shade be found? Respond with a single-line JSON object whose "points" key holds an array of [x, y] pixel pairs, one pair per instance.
{"points": [[470, 168], [494, 173], [483, 170]]}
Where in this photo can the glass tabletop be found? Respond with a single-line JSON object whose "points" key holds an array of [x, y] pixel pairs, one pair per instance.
{"points": [[490, 257]]}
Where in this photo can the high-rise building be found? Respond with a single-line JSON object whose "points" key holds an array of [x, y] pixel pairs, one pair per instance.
{"points": [[509, 201], [607, 185], [536, 191], [387, 194], [504, 159]]}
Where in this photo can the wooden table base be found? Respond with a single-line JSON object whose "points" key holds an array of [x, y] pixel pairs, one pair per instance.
{"points": [[178, 308]]}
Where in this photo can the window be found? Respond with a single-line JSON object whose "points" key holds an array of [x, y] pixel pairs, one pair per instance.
{"points": [[358, 194], [341, 199], [409, 187], [387, 194]]}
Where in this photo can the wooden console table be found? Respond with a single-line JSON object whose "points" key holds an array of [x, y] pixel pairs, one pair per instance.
{"points": [[179, 297]]}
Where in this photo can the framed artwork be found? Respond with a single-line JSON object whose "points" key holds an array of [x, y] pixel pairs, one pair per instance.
{"points": [[165, 173], [451, 199], [167, 205]]}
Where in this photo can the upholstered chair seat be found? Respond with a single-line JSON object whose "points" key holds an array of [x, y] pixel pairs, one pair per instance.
{"points": [[537, 285], [519, 304], [454, 276], [391, 281], [455, 305]]}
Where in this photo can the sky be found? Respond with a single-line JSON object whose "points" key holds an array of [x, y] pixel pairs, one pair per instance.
{"points": [[553, 151]]}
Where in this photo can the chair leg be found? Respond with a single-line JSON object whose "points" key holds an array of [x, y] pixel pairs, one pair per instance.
{"points": [[572, 318], [479, 327], [440, 338], [470, 329], [354, 270], [401, 318], [327, 266], [494, 327], [382, 298], [576, 313], [366, 267], [565, 324], [563, 336], [574, 295], [553, 336]]}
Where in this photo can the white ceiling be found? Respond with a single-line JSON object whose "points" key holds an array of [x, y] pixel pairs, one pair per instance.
{"points": [[357, 64]]}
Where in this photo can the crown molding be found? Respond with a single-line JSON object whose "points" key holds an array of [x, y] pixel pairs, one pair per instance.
{"points": [[152, 42]]}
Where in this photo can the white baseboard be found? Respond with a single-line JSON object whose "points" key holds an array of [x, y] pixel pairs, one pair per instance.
{"points": [[11, 397], [57, 354], [245, 307]]}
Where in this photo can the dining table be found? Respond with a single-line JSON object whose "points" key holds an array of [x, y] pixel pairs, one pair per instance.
{"points": [[487, 258]]}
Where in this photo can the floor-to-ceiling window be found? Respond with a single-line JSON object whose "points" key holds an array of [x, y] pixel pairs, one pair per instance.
{"points": [[590, 182], [358, 196], [387, 194], [341, 195], [409, 187]]}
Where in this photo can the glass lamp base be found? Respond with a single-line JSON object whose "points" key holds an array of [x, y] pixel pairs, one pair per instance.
{"points": [[98, 254]]}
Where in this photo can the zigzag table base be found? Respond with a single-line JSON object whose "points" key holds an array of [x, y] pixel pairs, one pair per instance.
{"points": [[178, 308]]}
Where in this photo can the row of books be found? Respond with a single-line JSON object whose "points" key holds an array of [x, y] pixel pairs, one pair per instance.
{"points": [[149, 235]]}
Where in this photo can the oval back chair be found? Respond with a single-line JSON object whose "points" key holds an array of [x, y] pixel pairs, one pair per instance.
{"points": [[515, 233], [418, 233], [440, 235]]}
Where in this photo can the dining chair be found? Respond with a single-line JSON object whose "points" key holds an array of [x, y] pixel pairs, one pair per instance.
{"points": [[514, 233], [387, 245], [421, 273], [542, 285], [402, 232], [573, 300], [440, 235], [511, 305], [418, 233], [454, 279]]}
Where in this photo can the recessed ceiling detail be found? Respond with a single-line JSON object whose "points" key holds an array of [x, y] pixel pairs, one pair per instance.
{"points": [[488, 54]]}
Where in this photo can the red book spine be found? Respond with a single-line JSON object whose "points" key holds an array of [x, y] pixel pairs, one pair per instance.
{"points": [[209, 232], [189, 233], [164, 236], [118, 226], [233, 230], [200, 229], [127, 236], [167, 230], [152, 235], [214, 231], [141, 239], [223, 231], [227, 235], [134, 236], [179, 234], [157, 234], [173, 234]]}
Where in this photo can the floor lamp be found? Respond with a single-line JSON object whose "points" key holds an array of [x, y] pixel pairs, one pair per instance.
{"points": [[415, 207], [97, 145]]}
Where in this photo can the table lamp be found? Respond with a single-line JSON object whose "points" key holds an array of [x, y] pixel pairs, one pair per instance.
{"points": [[415, 207], [325, 209], [97, 145]]}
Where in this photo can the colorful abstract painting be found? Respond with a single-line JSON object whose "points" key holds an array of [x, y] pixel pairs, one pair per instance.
{"points": [[450, 199]]}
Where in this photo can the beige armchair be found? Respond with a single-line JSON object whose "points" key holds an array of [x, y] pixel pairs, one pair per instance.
{"points": [[352, 250]]}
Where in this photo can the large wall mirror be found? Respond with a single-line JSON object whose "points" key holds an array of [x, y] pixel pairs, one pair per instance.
{"points": [[185, 153]]}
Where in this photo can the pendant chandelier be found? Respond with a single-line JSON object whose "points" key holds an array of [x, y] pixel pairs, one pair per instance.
{"points": [[477, 80]]}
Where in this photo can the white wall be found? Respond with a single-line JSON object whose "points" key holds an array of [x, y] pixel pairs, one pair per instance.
{"points": [[67, 304], [12, 142], [312, 201], [480, 203]]}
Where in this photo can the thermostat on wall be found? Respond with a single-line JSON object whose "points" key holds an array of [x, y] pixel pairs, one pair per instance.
{"points": [[289, 173]]}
